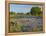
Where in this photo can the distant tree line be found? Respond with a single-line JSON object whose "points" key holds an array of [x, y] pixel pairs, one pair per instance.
{"points": [[36, 11]]}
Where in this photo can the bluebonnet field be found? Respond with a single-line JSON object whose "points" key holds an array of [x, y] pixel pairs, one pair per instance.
{"points": [[29, 20]]}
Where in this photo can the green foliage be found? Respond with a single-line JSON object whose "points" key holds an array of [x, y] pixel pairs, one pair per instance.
{"points": [[22, 28], [27, 13], [35, 11], [12, 13], [20, 13], [17, 27]]}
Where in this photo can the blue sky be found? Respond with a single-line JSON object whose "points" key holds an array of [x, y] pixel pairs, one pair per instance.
{"points": [[20, 8]]}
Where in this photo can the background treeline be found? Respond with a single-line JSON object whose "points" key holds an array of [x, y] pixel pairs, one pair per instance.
{"points": [[35, 11]]}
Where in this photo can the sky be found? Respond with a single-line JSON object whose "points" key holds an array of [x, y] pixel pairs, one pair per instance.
{"points": [[19, 8]]}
